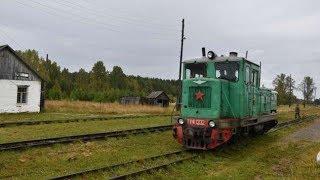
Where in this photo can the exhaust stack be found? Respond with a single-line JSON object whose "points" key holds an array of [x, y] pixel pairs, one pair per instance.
{"points": [[203, 52]]}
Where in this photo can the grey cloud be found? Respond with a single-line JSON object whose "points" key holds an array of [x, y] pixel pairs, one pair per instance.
{"points": [[281, 34]]}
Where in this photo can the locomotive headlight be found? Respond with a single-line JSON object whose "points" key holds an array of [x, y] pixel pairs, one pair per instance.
{"points": [[181, 121], [211, 55], [212, 124]]}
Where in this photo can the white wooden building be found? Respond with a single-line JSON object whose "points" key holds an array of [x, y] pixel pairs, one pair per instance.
{"points": [[20, 85]]}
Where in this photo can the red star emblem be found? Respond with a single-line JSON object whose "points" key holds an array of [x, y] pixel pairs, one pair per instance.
{"points": [[199, 95]]}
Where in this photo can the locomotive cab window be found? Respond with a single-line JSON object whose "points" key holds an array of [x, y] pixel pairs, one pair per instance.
{"points": [[195, 70], [247, 74], [255, 78], [227, 70]]}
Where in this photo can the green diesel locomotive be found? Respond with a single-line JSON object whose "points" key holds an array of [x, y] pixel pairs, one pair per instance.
{"points": [[222, 99]]}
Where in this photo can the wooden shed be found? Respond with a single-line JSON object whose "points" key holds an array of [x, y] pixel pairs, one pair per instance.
{"points": [[158, 98], [21, 86]]}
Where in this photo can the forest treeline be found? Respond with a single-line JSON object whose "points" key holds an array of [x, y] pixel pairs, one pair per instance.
{"points": [[101, 85], [98, 84], [285, 86]]}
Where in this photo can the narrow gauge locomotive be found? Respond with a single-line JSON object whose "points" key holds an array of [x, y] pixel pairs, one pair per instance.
{"points": [[221, 100]]}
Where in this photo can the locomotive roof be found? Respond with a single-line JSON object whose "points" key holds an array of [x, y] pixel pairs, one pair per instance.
{"points": [[217, 59]]}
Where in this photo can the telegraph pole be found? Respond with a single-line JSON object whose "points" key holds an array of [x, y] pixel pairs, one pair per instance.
{"points": [[180, 65], [181, 49]]}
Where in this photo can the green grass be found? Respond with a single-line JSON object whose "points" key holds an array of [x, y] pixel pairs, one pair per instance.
{"points": [[19, 133], [60, 159], [40, 116], [60, 116], [269, 156], [286, 113]]}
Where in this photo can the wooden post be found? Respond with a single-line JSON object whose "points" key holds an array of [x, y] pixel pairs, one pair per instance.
{"points": [[180, 66], [181, 49]]}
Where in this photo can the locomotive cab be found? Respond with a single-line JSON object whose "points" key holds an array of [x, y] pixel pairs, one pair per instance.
{"points": [[221, 96]]}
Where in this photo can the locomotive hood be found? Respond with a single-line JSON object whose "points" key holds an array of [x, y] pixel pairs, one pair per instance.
{"points": [[201, 98]]}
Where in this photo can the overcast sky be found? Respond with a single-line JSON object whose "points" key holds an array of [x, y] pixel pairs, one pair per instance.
{"points": [[143, 36]]}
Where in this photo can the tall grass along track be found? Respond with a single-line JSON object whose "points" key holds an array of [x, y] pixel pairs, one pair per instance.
{"points": [[291, 122], [80, 119], [133, 173], [84, 137]]}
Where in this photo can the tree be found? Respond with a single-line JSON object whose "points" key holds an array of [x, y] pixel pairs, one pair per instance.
{"points": [[99, 76], [81, 79], [118, 78], [279, 84], [290, 85], [96, 85], [55, 92], [307, 88], [66, 83]]}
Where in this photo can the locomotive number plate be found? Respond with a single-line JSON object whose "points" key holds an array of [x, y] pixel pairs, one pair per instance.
{"points": [[197, 122]]}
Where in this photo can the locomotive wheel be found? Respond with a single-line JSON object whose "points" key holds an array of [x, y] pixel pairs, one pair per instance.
{"points": [[236, 137]]}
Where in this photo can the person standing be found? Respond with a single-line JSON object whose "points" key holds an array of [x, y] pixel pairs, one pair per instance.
{"points": [[297, 112]]}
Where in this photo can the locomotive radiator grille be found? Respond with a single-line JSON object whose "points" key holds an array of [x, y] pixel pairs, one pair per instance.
{"points": [[205, 102], [196, 137]]}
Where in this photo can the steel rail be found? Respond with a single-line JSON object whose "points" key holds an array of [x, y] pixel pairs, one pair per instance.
{"points": [[156, 167], [84, 137], [80, 119], [291, 122], [110, 167]]}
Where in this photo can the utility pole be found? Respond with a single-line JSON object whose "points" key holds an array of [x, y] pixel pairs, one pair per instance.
{"points": [[47, 57], [180, 65], [246, 54], [181, 49]]}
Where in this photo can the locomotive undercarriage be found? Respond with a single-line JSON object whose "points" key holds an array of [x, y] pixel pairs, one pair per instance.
{"points": [[206, 137]]}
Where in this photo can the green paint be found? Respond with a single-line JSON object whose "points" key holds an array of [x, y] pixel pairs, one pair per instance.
{"points": [[240, 99]]}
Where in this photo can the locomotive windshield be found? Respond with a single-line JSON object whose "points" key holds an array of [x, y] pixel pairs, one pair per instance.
{"points": [[196, 70], [228, 70]]}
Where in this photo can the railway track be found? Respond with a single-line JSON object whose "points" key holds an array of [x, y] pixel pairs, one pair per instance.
{"points": [[84, 137], [289, 123], [82, 119], [159, 166], [144, 169], [137, 172]]}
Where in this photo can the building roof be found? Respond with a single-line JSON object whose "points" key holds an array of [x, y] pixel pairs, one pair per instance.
{"points": [[20, 58], [155, 94]]}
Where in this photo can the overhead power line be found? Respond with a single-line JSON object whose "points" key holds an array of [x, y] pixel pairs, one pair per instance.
{"points": [[55, 11], [128, 20], [7, 36], [127, 15], [76, 17]]}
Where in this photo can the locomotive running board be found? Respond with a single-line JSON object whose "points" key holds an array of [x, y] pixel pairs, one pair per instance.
{"points": [[261, 119]]}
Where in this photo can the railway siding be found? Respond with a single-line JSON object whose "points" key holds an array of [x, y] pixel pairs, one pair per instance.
{"points": [[84, 137], [11, 123]]}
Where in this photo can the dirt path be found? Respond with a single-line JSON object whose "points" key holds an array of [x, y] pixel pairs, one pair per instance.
{"points": [[310, 133]]}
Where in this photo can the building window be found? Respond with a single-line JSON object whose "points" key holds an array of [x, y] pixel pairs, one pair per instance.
{"points": [[22, 94]]}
